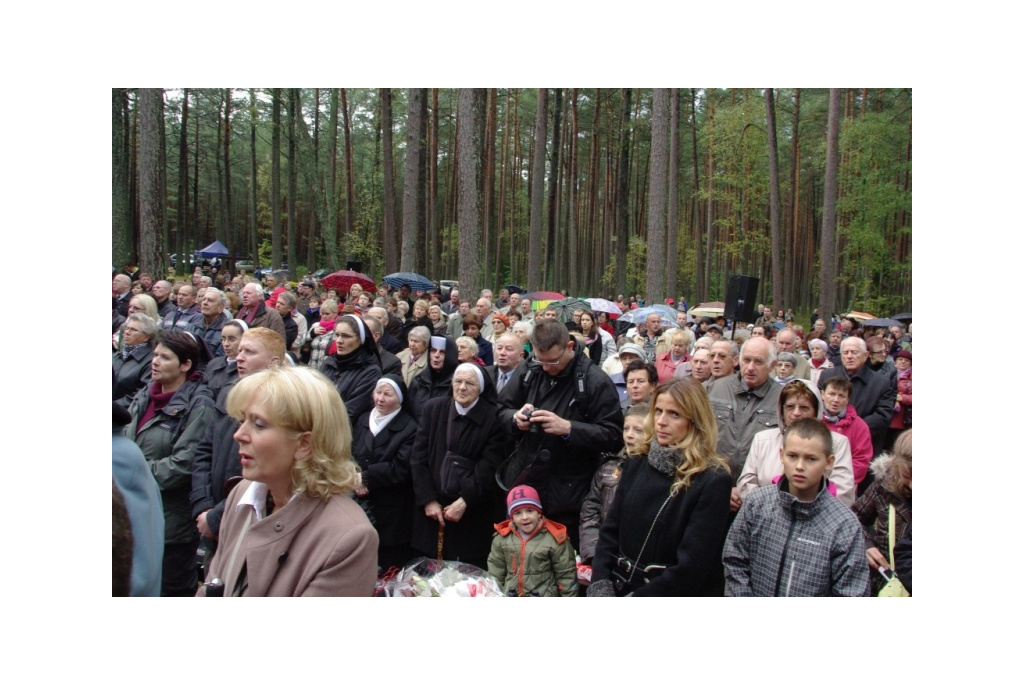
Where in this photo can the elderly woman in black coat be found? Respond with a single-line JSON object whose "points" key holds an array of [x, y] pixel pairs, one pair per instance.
{"points": [[132, 362], [355, 366], [436, 379], [458, 447], [382, 446]]}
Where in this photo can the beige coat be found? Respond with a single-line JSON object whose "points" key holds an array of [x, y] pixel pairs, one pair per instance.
{"points": [[309, 547], [410, 372]]}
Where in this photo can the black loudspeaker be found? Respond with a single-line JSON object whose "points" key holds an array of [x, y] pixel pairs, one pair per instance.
{"points": [[354, 266], [739, 298]]}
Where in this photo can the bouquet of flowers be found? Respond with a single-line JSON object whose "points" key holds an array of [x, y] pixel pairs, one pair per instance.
{"points": [[425, 577]]}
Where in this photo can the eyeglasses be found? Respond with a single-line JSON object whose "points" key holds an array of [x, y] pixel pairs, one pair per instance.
{"points": [[556, 362]]}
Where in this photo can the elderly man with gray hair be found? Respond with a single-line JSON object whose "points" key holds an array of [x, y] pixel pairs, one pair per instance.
{"points": [[873, 394], [213, 319], [745, 405]]}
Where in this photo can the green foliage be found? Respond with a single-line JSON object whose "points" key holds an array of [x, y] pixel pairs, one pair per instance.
{"points": [[363, 249], [266, 251], [636, 265], [871, 201]]}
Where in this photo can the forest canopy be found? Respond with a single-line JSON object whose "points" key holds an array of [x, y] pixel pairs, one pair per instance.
{"points": [[660, 192]]}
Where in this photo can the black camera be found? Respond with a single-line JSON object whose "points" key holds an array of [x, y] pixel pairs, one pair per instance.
{"points": [[534, 427]]}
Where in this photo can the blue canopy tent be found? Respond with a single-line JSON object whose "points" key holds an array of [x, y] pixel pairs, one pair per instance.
{"points": [[213, 250]]}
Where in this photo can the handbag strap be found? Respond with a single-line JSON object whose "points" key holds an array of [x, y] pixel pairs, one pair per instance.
{"points": [[892, 533], [644, 546], [238, 546]]}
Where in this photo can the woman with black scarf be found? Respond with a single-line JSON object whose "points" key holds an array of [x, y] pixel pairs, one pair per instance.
{"points": [[355, 366], [436, 379]]}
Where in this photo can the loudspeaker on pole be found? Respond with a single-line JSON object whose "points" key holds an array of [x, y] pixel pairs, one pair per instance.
{"points": [[739, 298]]}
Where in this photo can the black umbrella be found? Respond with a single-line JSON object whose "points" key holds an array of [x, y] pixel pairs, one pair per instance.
{"points": [[413, 280], [512, 288], [880, 323], [905, 316]]}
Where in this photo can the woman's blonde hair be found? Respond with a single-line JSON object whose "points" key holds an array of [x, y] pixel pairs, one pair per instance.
{"points": [[148, 304], [300, 400], [902, 457], [699, 448], [328, 307]]}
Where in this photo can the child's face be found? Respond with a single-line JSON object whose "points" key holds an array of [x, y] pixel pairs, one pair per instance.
{"points": [[804, 462], [783, 369], [526, 519], [835, 400], [632, 432]]}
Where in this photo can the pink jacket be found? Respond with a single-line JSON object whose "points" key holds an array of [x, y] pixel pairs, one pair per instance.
{"points": [[859, 435]]}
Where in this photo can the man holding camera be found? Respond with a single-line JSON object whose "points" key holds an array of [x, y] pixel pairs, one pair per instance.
{"points": [[566, 413]]}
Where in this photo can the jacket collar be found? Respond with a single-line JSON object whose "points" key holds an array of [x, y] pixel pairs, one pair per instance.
{"points": [[794, 507]]}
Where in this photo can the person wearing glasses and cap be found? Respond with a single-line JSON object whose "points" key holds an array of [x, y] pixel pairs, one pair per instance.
{"points": [[567, 407]]}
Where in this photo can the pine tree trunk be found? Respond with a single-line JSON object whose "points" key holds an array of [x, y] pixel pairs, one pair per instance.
{"points": [[331, 226], [574, 190], [311, 262], [421, 176], [774, 202], [410, 229], [181, 206], [698, 232], [827, 297], [794, 208], [433, 217], [536, 256], [275, 179], [390, 233], [709, 214], [489, 271], [294, 112], [621, 232], [656, 245], [124, 247], [672, 254], [469, 192], [253, 187], [349, 185], [229, 223], [151, 199], [556, 146]]}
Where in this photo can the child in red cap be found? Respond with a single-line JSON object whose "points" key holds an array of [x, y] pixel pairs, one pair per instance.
{"points": [[530, 555]]}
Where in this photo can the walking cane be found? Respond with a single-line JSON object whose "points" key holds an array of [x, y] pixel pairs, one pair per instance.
{"points": [[440, 544]]}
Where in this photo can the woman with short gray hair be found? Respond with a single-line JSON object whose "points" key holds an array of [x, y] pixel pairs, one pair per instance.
{"points": [[132, 361], [414, 357]]}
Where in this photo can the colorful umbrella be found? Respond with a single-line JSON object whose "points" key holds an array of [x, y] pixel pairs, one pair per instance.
{"points": [[859, 316], [413, 280], [665, 312], [343, 280], [711, 309], [565, 307], [544, 295], [599, 304]]}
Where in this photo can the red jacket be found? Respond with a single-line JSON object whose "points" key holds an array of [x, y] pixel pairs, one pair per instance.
{"points": [[859, 435], [899, 418]]}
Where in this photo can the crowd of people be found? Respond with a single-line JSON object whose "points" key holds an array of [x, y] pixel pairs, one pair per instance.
{"points": [[289, 439]]}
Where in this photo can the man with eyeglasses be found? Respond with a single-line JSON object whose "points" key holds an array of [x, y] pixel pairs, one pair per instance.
{"points": [[567, 407], [873, 394], [879, 360]]}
